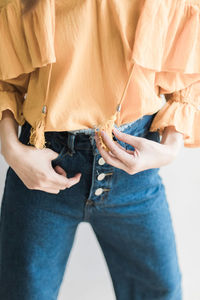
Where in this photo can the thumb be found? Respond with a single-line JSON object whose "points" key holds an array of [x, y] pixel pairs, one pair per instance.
{"points": [[132, 140]]}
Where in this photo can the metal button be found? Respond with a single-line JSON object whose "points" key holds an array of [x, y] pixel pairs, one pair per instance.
{"points": [[119, 107], [44, 109], [101, 161], [98, 191], [101, 176]]}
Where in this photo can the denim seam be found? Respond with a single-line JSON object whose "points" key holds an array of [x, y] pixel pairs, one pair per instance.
{"points": [[131, 203]]}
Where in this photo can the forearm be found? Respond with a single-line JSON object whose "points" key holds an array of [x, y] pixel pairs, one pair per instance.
{"points": [[8, 132]]}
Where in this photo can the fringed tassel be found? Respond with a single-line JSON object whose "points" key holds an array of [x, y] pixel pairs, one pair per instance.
{"points": [[107, 127], [37, 137]]}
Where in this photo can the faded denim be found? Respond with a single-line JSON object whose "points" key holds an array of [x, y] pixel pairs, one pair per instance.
{"points": [[130, 218]]}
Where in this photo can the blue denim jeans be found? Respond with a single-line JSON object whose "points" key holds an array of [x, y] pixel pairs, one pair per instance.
{"points": [[129, 215]]}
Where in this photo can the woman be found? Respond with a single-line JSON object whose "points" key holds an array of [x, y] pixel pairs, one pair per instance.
{"points": [[84, 79]]}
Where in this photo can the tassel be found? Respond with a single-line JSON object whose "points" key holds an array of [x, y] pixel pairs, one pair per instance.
{"points": [[107, 127], [37, 137]]}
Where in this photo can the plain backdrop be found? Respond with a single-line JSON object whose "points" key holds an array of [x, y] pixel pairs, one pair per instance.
{"points": [[86, 274]]}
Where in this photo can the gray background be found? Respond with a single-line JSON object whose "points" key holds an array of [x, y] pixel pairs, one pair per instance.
{"points": [[87, 276]]}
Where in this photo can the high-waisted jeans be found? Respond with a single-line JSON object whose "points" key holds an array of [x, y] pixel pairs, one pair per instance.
{"points": [[129, 215]]}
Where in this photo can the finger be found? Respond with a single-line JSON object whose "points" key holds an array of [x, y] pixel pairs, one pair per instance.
{"points": [[132, 140], [122, 156], [110, 158], [73, 180], [60, 170], [121, 147], [68, 183], [61, 181]]}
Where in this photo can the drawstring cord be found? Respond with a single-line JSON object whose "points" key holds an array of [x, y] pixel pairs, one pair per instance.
{"points": [[109, 125], [37, 135]]}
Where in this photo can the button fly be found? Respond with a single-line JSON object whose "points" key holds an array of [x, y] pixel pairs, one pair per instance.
{"points": [[98, 191], [101, 176]]}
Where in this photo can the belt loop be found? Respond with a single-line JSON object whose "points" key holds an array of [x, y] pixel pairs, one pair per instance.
{"points": [[70, 143], [93, 143]]}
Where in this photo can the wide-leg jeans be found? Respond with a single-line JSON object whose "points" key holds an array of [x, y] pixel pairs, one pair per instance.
{"points": [[129, 215]]}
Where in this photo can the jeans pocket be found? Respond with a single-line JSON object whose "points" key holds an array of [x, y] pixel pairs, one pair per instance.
{"points": [[25, 133], [54, 141], [60, 155]]}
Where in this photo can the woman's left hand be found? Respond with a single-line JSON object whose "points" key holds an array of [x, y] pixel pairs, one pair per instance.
{"points": [[147, 154]]}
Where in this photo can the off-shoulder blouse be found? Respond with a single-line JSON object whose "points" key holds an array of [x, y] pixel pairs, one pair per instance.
{"points": [[75, 64]]}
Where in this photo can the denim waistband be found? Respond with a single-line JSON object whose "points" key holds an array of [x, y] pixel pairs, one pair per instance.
{"points": [[90, 131], [83, 139]]}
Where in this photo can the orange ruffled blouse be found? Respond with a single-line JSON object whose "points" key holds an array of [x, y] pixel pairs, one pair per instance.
{"points": [[75, 64]]}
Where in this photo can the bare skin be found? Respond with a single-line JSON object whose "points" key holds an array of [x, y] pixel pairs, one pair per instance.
{"points": [[147, 154], [32, 165]]}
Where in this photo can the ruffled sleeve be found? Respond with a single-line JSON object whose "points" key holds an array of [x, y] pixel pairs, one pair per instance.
{"points": [[181, 110], [172, 29], [26, 43], [12, 95]]}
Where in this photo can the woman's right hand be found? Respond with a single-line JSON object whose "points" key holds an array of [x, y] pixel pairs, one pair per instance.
{"points": [[33, 166]]}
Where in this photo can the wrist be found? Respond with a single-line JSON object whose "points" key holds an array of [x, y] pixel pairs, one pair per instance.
{"points": [[172, 138], [9, 134], [9, 148]]}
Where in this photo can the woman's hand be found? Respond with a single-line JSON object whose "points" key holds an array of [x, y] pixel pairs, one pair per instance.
{"points": [[147, 154], [33, 167]]}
